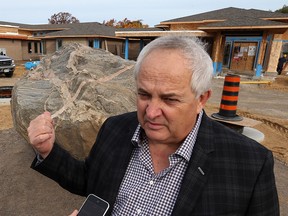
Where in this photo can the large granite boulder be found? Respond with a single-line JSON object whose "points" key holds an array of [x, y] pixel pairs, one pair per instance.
{"points": [[81, 87]]}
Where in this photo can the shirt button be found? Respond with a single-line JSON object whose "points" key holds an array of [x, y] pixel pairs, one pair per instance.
{"points": [[138, 211], [151, 182]]}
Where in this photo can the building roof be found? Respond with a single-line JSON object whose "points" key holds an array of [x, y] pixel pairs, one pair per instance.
{"points": [[228, 19], [84, 29], [87, 29], [230, 13], [139, 29], [234, 18]]}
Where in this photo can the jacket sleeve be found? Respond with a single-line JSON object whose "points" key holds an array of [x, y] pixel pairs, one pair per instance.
{"points": [[264, 200], [67, 171]]}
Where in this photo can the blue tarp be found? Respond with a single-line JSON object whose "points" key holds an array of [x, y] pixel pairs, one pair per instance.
{"points": [[31, 65]]}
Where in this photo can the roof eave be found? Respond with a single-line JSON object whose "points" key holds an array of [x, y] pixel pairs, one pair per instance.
{"points": [[161, 33], [191, 22], [78, 36], [13, 36], [276, 19], [242, 27], [276, 30]]}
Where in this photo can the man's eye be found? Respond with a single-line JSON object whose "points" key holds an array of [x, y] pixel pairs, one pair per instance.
{"points": [[141, 94], [170, 99]]}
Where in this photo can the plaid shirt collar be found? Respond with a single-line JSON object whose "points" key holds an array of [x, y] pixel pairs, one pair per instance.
{"points": [[185, 150]]}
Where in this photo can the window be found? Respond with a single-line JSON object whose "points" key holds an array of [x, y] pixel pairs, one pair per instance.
{"points": [[43, 47], [35, 47], [29, 47], [285, 48], [123, 47], [58, 44], [97, 43], [90, 43], [41, 50], [227, 51]]}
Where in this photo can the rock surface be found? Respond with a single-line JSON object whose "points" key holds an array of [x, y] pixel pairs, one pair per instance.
{"points": [[81, 87]]}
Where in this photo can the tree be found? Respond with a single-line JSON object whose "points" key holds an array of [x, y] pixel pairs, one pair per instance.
{"points": [[284, 9], [125, 23], [63, 18]]}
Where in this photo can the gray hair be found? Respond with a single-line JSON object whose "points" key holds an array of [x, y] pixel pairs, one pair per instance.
{"points": [[194, 50]]}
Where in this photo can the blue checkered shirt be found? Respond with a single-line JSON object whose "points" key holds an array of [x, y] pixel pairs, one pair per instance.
{"points": [[142, 192]]}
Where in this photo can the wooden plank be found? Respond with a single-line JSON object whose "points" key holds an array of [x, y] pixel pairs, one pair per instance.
{"points": [[256, 82], [246, 122]]}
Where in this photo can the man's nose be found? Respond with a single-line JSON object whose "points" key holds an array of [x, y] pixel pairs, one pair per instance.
{"points": [[153, 109]]}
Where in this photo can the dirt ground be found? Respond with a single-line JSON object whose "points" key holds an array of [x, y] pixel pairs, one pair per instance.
{"points": [[26, 192]]}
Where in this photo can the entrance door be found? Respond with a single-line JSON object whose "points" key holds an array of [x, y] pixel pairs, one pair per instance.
{"points": [[243, 56]]}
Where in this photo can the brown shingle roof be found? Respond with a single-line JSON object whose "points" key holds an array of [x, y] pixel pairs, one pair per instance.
{"points": [[75, 29], [228, 14], [92, 28], [233, 18], [247, 21]]}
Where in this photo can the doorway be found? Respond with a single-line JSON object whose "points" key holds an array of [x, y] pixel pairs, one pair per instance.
{"points": [[243, 56]]}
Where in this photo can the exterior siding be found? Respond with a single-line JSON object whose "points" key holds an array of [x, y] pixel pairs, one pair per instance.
{"points": [[13, 48], [275, 53], [75, 40], [50, 46], [179, 27], [26, 55], [4, 29]]}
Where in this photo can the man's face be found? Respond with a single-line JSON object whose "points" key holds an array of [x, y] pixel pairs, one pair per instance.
{"points": [[166, 106]]}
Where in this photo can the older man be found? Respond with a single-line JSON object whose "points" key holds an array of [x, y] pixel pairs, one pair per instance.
{"points": [[168, 158]]}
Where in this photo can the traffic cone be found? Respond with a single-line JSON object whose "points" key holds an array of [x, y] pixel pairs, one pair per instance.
{"points": [[228, 106]]}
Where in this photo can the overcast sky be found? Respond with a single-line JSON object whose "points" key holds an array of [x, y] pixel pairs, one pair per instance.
{"points": [[151, 12]]}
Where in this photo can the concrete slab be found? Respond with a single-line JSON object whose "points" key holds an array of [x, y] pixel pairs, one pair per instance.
{"points": [[253, 134]]}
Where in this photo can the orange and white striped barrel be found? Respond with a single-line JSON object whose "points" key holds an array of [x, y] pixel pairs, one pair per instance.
{"points": [[229, 100]]}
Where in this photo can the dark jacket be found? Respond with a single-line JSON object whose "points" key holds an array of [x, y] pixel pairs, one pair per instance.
{"points": [[238, 176]]}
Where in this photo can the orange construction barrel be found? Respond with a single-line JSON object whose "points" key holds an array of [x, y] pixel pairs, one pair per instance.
{"points": [[228, 106]]}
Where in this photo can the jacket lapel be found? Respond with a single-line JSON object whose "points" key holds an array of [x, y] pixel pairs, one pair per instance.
{"points": [[120, 161], [197, 171]]}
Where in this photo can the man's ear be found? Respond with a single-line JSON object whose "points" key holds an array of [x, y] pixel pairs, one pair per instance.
{"points": [[203, 99]]}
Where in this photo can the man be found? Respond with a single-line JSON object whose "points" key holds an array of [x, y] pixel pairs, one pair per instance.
{"points": [[168, 158], [282, 62]]}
